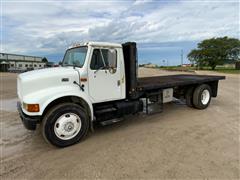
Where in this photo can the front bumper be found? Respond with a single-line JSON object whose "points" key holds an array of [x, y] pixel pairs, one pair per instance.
{"points": [[30, 122]]}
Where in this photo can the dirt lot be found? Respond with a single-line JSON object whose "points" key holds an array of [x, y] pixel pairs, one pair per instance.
{"points": [[179, 143]]}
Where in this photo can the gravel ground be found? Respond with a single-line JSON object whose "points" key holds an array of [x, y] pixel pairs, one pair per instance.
{"points": [[179, 143]]}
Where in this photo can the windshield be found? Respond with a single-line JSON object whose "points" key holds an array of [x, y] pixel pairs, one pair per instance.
{"points": [[75, 57]]}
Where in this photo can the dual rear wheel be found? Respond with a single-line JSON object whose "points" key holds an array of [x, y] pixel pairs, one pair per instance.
{"points": [[199, 97]]}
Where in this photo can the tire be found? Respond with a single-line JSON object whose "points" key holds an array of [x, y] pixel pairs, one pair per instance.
{"points": [[65, 124], [199, 93], [189, 97]]}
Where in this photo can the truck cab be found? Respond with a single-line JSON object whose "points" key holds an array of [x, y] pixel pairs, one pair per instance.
{"points": [[98, 82], [104, 67]]}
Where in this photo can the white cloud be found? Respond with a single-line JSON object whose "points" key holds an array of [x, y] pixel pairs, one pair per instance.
{"points": [[141, 2], [49, 27]]}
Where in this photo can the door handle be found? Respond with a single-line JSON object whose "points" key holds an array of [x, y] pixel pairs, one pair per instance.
{"points": [[118, 82]]}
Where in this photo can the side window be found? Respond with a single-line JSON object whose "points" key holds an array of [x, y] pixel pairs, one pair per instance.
{"points": [[112, 58], [104, 58], [96, 61]]}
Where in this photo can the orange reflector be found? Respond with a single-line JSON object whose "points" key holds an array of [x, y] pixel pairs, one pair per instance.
{"points": [[33, 107], [83, 79]]}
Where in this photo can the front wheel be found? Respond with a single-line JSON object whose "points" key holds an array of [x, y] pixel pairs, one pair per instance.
{"points": [[202, 96], [65, 125]]}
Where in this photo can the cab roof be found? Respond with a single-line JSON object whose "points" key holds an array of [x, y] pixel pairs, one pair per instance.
{"points": [[94, 43]]}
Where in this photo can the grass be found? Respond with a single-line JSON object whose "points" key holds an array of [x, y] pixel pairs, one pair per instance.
{"points": [[229, 71], [217, 69]]}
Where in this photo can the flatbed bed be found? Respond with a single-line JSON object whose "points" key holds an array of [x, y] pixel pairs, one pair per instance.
{"points": [[170, 81]]}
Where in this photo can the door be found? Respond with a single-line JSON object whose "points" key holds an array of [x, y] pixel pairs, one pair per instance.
{"points": [[104, 75]]}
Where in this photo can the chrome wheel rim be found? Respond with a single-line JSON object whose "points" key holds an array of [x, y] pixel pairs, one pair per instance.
{"points": [[67, 126], [205, 97]]}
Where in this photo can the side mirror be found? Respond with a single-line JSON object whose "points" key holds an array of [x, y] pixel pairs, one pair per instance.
{"points": [[60, 63]]}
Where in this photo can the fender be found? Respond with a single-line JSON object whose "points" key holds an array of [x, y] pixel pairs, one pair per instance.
{"points": [[46, 96]]}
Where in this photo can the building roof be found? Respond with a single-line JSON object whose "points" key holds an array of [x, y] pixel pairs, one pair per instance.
{"points": [[20, 55]]}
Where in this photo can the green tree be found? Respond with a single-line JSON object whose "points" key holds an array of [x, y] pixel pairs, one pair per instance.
{"points": [[44, 60], [215, 51]]}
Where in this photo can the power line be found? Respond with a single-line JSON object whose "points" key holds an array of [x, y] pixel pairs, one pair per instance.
{"points": [[181, 57]]}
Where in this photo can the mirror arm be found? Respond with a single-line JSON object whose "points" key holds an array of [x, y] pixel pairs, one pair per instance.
{"points": [[97, 70]]}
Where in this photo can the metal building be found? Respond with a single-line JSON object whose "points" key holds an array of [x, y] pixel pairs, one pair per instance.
{"points": [[11, 62]]}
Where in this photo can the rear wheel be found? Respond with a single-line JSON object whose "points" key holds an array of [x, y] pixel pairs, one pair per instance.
{"points": [[202, 96], [65, 125]]}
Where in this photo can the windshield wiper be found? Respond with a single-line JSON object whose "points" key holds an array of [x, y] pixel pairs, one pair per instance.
{"points": [[67, 65]]}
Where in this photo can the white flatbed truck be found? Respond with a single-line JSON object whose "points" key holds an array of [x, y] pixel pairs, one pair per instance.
{"points": [[98, 82]]}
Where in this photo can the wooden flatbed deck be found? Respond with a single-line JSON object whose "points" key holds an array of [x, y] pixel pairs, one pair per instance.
{"points": [[159, 82]]}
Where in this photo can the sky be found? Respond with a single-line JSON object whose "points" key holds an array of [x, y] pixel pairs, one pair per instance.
{"points": [[162, 29]]}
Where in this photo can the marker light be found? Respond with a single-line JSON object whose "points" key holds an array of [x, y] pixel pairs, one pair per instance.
{"points": [[83, 79], [31, 107]]}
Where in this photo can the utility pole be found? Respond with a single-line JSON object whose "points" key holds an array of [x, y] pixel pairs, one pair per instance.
{"points": [[181, 57]]}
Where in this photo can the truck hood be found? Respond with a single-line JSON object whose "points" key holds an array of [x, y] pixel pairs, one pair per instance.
{"points": [[37, 80]]}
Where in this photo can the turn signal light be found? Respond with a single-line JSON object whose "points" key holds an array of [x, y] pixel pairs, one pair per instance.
{"points": [[32, 107]]}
